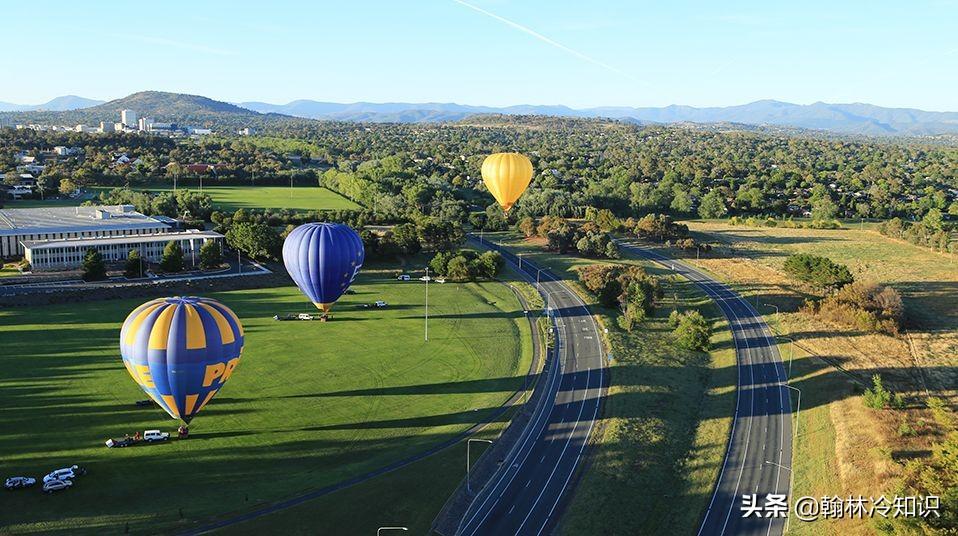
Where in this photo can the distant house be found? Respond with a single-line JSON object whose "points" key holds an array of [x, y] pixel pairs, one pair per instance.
{"points": [[26, 159], [201, 168], [62, 150]]}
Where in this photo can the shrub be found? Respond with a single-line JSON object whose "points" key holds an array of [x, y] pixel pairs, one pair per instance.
{"points": [[135, 265], [865, 306], [877, 397], [211, 255]]}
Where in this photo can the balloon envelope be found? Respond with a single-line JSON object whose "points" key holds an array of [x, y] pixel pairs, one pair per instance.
{"points": [[506, 175], [181, 350], [323, 259]]}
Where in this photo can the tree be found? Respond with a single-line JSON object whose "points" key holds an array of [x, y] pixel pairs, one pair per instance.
{"points": [[211, 255], [135, 265], [11, 178], [824, 209], [527, 226], [67, 187], [692, 331], [439, 235], [681, 202], [407, 238], [489, 264], [93, 267], [712, 206], [818, 271], [172, 260], [257, 240], [459, 269]]}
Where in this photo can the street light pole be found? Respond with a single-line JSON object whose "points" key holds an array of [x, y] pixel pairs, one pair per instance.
{"points": [[791, 479], [468, 456], [427, 304]]}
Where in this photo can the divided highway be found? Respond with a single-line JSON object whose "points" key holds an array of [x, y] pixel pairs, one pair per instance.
{"points": [[759, 452], [526, 495]]}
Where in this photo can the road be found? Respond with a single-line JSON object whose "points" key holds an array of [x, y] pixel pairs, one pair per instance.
{"points": [[759, 451], [527, 495]]}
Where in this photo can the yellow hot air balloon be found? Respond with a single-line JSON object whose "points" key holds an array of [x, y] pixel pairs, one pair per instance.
{"points": [[506, 175]]}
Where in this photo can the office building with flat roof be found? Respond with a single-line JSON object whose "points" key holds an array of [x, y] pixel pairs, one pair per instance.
{"points": [[18, 225], [68, 254]]}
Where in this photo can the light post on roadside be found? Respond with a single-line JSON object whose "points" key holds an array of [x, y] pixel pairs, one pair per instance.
{"points": [[790, 480], [426, 278], [519, 256], [469, 456], [791, 350], [380, 530]]}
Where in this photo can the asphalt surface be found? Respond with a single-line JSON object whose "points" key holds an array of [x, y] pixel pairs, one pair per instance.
{"points": [[528, 494], [759, 452]]}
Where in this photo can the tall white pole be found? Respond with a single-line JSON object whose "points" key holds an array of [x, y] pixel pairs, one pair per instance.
{"points": [[427, 303]]}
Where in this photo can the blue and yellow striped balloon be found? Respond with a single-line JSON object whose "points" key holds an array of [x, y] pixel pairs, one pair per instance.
{"points": [[181, 350]]}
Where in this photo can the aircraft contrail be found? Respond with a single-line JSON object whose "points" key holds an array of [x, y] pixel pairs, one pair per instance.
{"points": [[544, 39]]}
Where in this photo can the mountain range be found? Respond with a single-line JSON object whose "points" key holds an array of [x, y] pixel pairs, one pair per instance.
{"points": [[863, 119], [854, 119], [59, 104]]}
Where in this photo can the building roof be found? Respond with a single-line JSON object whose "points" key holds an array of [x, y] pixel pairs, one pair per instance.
{"points": [[110, 240], [18, 221]]}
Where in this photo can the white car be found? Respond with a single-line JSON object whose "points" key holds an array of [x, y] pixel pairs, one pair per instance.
{"points": [[66, 473], [17, 482], [403, 277], [380, 303], [155, 435], [56, 485], [304, 316]]}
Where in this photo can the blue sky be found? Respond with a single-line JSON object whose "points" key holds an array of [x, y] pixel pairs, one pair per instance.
{"points": [[492, 52]]}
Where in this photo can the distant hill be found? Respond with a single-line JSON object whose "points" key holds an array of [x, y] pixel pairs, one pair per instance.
{"points": [[864, 119], [59, 104], [182, 109]]}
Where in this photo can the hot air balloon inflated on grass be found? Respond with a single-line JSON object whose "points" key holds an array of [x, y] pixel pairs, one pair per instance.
{"points": [[181, 351], [506, 176], [323, 259]]}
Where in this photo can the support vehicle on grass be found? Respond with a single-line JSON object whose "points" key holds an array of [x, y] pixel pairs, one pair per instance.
{"points": [[17, 482]]}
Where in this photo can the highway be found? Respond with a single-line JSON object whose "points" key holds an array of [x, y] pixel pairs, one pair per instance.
{"points": [[759, 452], [527, 494]]}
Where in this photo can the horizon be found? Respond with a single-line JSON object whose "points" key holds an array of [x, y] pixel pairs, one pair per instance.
{"points": [[459, 103], [619, 55]]}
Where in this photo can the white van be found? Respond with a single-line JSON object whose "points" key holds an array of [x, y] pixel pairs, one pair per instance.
{"points": [[155, 435]]}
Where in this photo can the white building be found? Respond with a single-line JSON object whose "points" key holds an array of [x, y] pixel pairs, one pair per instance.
{"points": [[106, 127], [18, 225], [68, 254], [144, 123], [128, 118]]}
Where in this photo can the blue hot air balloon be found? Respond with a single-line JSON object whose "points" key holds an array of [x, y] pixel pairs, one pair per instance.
{"points": [[180, 351], [323, 259]]}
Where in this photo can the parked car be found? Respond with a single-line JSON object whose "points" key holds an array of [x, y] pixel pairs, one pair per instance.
{"points": [[304, 316], [56, 485], [67, 473], [17, 482], [403, 277], [155, 435], [380, 303], [119, 443]]}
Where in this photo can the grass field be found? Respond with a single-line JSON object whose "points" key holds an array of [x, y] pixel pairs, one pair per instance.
{"points": [[310, 404], [845, 448], [234, 197], [666, 418]]}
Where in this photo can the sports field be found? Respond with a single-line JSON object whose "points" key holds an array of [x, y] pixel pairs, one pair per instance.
{"points": [[232, 197], [311, 404]]}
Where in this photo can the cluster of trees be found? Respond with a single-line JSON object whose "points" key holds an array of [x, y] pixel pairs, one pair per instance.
{"points": [[564, 236], [94, 268], [931, 232], [185, 203], [818, 271], [222, 221], [467, 264], [626, 287], [407, 171], [256, 239], [862, 305], [690, 330]]}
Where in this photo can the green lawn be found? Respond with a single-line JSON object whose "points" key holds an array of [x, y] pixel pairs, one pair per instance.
{"points": [[233, 197], [310, 404], [666, 419]]}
